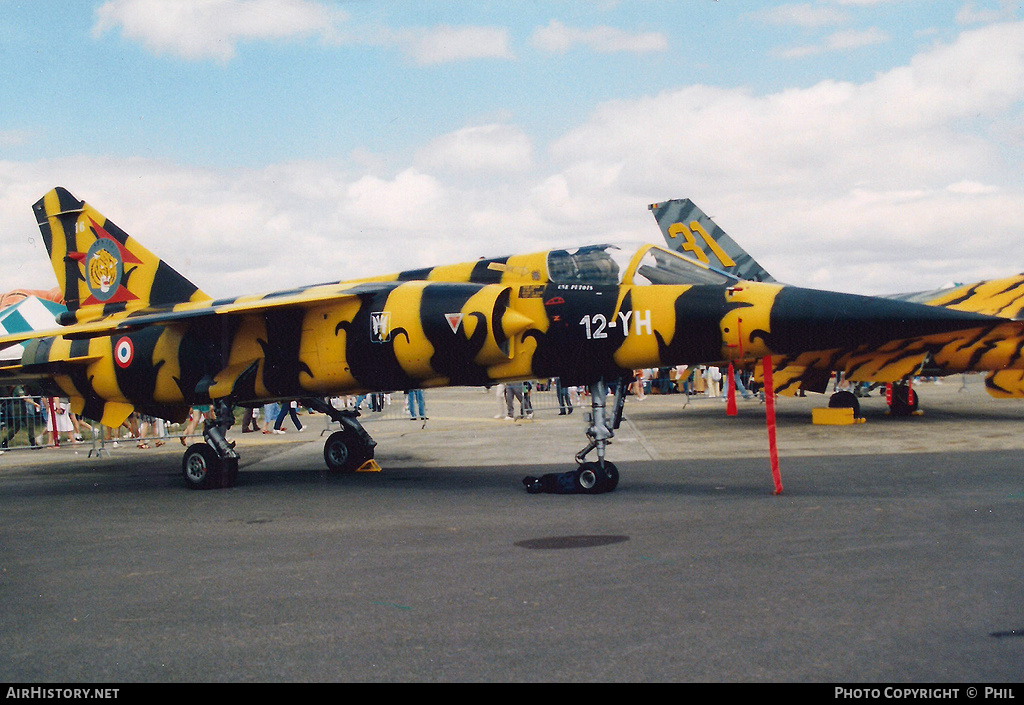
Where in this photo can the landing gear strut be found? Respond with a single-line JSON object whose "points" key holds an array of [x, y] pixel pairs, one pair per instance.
{"points": [[213, 464], [345, 450], [591, 477]]}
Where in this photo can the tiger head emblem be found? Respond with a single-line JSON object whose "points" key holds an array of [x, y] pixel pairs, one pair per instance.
{"points": [[102, 271]]}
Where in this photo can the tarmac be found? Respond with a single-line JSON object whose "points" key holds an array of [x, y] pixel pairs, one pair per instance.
{"points": [[892, 555]]}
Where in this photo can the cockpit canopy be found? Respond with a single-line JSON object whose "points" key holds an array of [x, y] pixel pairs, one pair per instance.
{"points": [[601, 265], [611, 265]]}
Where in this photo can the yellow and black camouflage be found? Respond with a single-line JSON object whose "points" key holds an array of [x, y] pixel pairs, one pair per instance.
{"points": [[139, 336], [888, 354]]}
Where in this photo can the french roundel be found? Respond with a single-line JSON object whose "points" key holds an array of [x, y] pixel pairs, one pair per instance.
{"points": [[124, 351]]}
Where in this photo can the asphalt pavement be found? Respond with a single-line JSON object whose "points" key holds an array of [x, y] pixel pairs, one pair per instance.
{"points": [[893, 553]]}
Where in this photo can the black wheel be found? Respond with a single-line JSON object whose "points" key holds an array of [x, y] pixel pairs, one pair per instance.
{"points": [[591, 478], [904, 400], [845, 400], [611, 480], [587, 478], [606, 478], [345, 452], [202, 467], [228, 472]]}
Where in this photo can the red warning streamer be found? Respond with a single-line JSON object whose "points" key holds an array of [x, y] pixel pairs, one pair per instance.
{"points": [[730, 405], [769, 411]]}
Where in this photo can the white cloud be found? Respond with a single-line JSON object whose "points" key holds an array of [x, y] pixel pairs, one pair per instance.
{"points": [[972, 188], [204, 29], [855, 39], [801, 15], [558, 38], [486, 148], [212, 29], [410, 200], [897, 183], [846, 40], [855, 172], [14, 138], [913, 112], [868, 2], [448, 43], [970, 13]]}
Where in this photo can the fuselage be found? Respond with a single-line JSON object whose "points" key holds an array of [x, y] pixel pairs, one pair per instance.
{"points": [[580, 315]]}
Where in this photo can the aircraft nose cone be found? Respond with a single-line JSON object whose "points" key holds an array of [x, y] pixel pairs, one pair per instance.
{"points": [[513, 322], [807, 319]]}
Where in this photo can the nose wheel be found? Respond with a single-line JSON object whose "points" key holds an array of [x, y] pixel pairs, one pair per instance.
{"points": [[595, 478], [591, 477]]}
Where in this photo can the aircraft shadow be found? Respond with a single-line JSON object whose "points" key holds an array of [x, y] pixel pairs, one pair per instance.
{"points": [[821, 476]]}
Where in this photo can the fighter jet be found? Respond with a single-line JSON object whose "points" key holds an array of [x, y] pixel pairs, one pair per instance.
{"points": [[997, 350], [138, 336]]}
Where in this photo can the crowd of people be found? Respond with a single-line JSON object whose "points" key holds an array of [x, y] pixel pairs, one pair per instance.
{"points": [[44, 420], [47, 422], [41, 422], [515, 401]]}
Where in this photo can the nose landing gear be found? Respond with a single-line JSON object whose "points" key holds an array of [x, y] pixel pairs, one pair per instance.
{"points": [[591, 477]]}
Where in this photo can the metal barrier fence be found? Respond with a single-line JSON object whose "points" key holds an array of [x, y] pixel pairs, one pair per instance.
{"points": [[538, 397], [28, 422], [39, 422]]}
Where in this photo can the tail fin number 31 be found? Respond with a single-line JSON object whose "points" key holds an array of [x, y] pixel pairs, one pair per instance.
{"points": [[690, 243]]}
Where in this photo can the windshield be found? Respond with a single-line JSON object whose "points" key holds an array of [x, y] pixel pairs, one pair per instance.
{"points": [[658, 266], [609, 265]]}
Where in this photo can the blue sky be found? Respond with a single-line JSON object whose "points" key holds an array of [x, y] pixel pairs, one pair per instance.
{"points": [[860, 145]]}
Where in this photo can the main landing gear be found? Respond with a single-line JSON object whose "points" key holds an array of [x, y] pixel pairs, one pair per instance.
{"points": [[902, 399], [591, 477], [345, 450], [214, 463]]}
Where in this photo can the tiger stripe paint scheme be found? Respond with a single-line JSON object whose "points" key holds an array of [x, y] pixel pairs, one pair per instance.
{"points": [[139, 336], [995, 349], [466, 324]]}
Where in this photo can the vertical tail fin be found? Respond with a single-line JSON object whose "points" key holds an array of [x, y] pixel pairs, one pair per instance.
{"points": [[689, 231], [99, 268]]}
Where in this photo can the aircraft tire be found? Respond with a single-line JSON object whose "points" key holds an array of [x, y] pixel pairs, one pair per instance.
{"points": [[228, 472], [345, 452], [202, 467], [587, 478], [591, 478], [845, 400], [611, 480], [904, 400]]}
